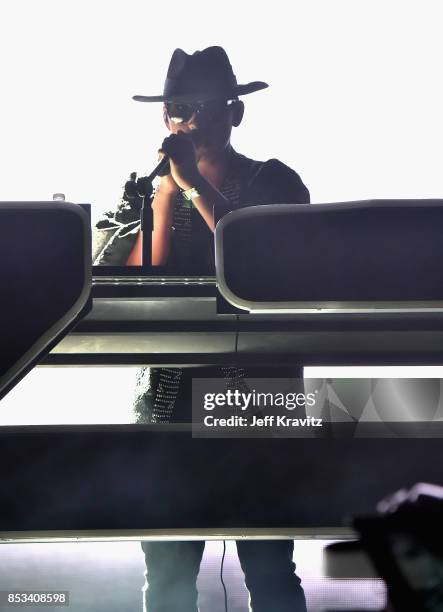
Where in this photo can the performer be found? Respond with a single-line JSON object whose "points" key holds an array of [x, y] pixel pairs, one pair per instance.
{"points": [[201, 105]]}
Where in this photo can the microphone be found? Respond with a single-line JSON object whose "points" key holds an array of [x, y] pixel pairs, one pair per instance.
{"points": [[161, 169], [144, 183]]}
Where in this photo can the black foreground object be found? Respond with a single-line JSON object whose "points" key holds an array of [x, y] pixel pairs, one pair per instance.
{"points": [[120, 477], [382, 254], [45, 280], [105, 479]]}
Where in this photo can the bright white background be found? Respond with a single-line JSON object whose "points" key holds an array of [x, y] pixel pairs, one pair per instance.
{"points": [[354, 105]]}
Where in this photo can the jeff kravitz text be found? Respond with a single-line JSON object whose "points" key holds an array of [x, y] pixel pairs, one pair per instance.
{"points": [[267, 421]]}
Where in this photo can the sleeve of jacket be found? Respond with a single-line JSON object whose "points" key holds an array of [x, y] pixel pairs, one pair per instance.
{"points": [[115, 233], [276, 183]]}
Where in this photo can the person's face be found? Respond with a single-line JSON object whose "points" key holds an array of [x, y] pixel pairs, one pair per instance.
{"points": [[209, 123]]}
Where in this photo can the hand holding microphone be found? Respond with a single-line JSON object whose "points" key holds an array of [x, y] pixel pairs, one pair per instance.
{"points": [[180, 150], [177, 168]]}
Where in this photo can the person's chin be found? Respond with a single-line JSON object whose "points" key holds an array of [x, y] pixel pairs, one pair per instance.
{"points": [[201, 139], [203, 148], [198, 139]]}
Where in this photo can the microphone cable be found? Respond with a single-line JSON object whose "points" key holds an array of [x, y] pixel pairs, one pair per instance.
{"points": [[221, 576], [224, 541]]}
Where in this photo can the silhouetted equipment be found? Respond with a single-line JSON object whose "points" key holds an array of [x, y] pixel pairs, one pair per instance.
{"points": [[336, 284], [45, 280], [124, 477], [379, 255]]}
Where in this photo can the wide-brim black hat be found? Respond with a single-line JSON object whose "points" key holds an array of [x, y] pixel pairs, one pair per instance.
{"points": [[204, 75]]}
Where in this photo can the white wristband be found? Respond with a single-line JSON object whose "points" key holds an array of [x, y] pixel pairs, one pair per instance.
{"points": [[190, 194]]}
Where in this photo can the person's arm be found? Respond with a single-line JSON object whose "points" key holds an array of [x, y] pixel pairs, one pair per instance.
{"points": [[185, 173], [208, 199], [162, 211]]}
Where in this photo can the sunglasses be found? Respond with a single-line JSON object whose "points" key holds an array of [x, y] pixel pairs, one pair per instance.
{"points": [[205, 111]]}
